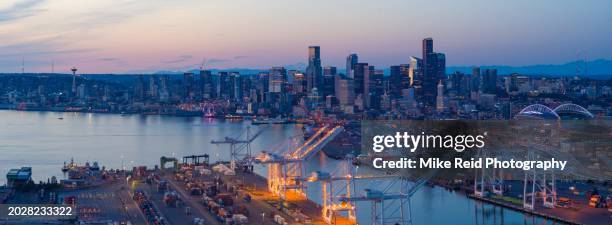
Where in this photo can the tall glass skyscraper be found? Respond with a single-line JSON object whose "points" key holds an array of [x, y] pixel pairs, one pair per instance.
{"points": [[314, 71], [351, 60], [434, 70]]}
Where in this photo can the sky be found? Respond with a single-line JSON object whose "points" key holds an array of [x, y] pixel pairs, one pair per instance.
{"points": [[136, 36]]}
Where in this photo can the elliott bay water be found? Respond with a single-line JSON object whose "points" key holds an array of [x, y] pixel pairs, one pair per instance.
{"points": [[44, 141]]}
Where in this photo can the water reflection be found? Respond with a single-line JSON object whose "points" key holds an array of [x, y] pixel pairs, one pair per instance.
{"points": [[41, 140]]}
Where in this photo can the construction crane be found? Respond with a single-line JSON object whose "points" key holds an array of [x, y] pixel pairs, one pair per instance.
{"points": [[240, 149], [203, 64]]}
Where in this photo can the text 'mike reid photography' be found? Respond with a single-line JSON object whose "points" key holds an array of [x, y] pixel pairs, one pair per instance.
{"points": [[289, 112]]}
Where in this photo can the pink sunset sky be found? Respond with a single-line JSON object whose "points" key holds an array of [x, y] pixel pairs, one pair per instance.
{"points": [[136, 36]]}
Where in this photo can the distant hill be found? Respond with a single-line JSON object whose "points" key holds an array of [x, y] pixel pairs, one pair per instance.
{"points": [[600, 68], [239, 70]]}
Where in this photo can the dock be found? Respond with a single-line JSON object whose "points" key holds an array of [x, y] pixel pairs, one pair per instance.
{"points": [[550, 214], [262, 207]]}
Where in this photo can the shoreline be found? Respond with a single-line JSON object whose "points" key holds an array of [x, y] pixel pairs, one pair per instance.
{"points": [[232, 117], [522, 210], [262, 180]]}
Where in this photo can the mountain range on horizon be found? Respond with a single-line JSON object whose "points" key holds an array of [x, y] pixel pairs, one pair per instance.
{"points": [[599, 68]]}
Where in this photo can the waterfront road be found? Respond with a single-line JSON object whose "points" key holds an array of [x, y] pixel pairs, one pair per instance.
{"points": [[177, 215], [259, 209], [107, 202], [193, 202], [257, 188]]}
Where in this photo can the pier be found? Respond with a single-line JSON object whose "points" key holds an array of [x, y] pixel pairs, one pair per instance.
{"points": [[195, 190]]}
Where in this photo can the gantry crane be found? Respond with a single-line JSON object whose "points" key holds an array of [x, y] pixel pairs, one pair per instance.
{"points": [[285, 171], [240, 149], [286, 175]]}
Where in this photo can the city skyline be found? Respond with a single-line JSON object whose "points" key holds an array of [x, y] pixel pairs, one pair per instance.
{"points": [[133, 37], [276, 112]]}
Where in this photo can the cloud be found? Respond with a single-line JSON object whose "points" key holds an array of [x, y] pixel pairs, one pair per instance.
{"points": [[108, 59], [217, 61], [178, 59], [238, 57], [19, 10], [50, 52], [113, 61]]}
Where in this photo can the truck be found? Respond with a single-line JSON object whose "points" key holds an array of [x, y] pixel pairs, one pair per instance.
{"points": [[239, 219], [224, 199], [162, 186], [171, 199], [196, 191]]}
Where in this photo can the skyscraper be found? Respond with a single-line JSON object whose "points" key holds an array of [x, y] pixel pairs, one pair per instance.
{"points": [[313, 71], [351, 60], [235, 89], [455, 81], [440, 97], [345, 93], [245, 88], [164, 92], [374, 89], [488, 81], [225, 87], [475, 80], [395, 76], [139, 88], [152, 90], [434, 70], [188, 85], [427, 48], [329, 74], [399, 79], [329, 70], [359, 71], [278, 76], [298, 82], [415, 72], [367, 73], [406, 78], [208, 87]]}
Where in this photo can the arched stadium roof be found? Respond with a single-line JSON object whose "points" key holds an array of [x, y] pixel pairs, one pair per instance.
{"points": [[540, 111]]}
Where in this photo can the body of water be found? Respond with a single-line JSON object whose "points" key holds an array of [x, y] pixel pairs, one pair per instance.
{"points": [[44, 141]]}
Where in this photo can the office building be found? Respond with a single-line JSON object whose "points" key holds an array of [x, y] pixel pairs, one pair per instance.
{"points": [[399, 79], [314, 77], [374, 88], [188, 86], [277, 78], [434, 70], [329, 74], [208, 85], [488, 82], [351, 60], [440, 97], [359, 71]]}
